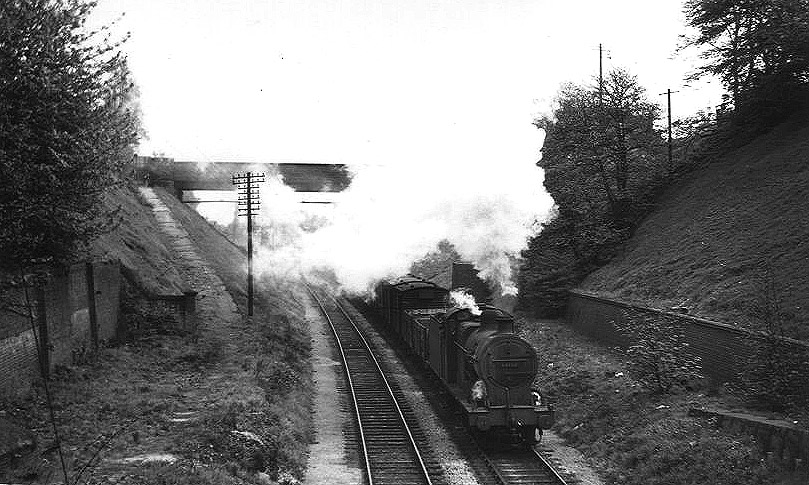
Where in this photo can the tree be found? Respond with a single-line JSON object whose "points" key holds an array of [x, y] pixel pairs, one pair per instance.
{"points": [[759, 48], [599, 154], [67, 124], [602, 160]]}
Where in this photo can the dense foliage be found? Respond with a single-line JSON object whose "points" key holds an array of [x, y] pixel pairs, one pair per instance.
{"points": [[66, 127], [657, 353], [633, 435], [602, 159], [758, 48]]}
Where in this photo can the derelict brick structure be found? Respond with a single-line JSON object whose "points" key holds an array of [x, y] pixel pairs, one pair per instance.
{"points": [[723, 349], [69, 329]]}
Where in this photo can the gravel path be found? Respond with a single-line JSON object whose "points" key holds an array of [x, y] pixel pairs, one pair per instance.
{"points": [[194, 393], [216, 311], [329, 457]]}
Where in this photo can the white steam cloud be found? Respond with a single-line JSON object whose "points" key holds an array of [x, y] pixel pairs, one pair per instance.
{"points": [[487, 206], [462, 299]]}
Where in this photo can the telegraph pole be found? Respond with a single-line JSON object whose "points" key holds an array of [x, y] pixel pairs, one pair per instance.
{"points": [[668, 98], [601, 52], [248, 204], [600, 76]]}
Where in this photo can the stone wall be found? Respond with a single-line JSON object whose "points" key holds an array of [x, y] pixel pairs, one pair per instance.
{"points": [[781, 440]]}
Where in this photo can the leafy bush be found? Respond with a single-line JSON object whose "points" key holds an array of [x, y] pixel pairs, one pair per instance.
{"points": [[658, 355], [557, 260], [280, 380]]}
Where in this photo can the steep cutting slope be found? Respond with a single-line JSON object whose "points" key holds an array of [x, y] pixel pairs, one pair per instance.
{"points": [[721, 234], [138, 243]]}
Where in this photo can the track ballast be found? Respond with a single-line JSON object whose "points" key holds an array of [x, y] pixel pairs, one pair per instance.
{"points": [[387, 444]]}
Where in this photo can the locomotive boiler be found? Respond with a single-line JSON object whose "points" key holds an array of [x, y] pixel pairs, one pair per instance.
{"points": [[487, 367]]}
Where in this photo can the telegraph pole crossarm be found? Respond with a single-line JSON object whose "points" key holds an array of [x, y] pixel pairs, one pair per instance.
{"points": [[248, 204]]}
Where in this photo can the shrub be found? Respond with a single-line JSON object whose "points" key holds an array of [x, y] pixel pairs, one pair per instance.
{"points": [[659, 358], [776, 376], [280, 380]]}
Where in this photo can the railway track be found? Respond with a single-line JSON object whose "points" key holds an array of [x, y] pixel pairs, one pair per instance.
{"points": [[388, 446], [520, 466], [493, 461]]}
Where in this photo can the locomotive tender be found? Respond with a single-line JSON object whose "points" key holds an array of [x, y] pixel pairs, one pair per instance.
{"points": [[483, 363]]}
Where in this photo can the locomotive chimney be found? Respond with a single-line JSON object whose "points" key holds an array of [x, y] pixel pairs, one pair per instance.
{"points": [[464, 275], [489, 318]]}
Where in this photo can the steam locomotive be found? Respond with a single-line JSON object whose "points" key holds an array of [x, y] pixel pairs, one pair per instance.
{"points": [[486, 367]]}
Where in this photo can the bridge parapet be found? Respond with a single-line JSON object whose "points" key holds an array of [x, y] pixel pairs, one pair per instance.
{"points": [[154, 170], [184, 175]]}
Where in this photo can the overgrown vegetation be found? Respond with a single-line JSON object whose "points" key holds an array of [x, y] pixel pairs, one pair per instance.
{"points": [[776, 374], [658, 354], [633, 435], [229, 405], [277, 345], [66, 130]]}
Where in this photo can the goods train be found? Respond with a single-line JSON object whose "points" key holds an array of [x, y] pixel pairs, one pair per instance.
{"points": [[487, 367]]}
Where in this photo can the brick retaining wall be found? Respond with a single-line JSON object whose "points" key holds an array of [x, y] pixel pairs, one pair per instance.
{"points": [[724, 351], [18, 361], [722, 348], [70, 321]]}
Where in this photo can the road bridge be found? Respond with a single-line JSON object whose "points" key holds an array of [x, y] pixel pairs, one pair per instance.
{"points": [[187, 175]]}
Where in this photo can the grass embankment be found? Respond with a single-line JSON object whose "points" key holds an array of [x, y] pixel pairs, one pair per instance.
{"points": [[274, 349], [727, 236], [139, 245], [229, 404], [631, 435]]}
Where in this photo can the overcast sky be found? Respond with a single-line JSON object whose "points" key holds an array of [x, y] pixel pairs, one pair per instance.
{"points": [[381, 81]]}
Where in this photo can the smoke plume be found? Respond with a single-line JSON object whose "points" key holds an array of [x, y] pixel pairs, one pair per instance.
{"points": [[392, 215], [462, 299]]}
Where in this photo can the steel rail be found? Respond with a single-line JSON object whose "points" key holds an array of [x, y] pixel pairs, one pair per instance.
{"points": [[524, 466], [363, 440], [350, 383], [390, 391], [550, 467]]}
